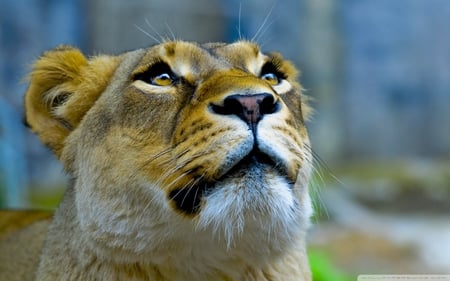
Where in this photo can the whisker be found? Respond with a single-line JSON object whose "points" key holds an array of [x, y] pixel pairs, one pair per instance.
{"points": [[178, 167], [156, 157], [144, 210], [194, 183], [239, 21], [172, 162], [263, 23], [175, 158], [148, 34], [181, 190], [167, 161], [325, 166], [262, 45], [316, 156], [151, 159], [320, 174], [166, 174], [263, 31], [155, 30], [171, 32], [315, 189], [191, 183]]}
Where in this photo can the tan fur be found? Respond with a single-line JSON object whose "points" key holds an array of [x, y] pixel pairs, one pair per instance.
{"points": [[170, 181]]}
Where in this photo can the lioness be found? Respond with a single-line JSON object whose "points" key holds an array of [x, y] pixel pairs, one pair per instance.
{"points": [[188, 162]]}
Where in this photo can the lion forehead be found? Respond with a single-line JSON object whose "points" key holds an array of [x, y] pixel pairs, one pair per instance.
{"points": [[191, 60]]}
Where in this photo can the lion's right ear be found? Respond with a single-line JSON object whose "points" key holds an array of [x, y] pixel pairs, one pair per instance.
{"points": [[63, 86]]}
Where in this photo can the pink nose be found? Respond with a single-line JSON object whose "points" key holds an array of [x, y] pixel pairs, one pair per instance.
{"points": [[250, 108]]}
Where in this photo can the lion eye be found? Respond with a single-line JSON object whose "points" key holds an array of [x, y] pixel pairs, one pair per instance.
{"points": [[271, 78], [158, 74], [163, 79], [272, 74]]}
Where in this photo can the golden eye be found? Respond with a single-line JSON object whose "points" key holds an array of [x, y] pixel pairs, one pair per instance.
{"points": [[272, 73], [163, 79], [271, 78], [158, 74]]}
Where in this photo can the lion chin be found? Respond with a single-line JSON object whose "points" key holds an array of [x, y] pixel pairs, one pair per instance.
{"points": [[188, 162]]}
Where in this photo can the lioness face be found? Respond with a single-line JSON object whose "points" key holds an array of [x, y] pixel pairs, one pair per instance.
{"points": [[179, 143]]}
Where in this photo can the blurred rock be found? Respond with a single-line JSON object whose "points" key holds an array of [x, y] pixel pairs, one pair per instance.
{"points": [[373, 223]]}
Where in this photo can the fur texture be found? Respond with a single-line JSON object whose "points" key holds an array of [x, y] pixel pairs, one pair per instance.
{"points": [[189, 162]]}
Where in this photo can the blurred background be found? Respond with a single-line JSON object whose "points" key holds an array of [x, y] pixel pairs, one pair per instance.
{"points": [[378, 73]]}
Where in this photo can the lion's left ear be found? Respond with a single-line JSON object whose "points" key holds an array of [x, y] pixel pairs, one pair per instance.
{"points": [[64, 85]]}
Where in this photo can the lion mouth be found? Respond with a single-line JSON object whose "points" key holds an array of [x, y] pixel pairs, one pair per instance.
{"points": [[255, 157], [188, 199]]}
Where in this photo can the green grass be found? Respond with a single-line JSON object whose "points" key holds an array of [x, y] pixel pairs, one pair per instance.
{"points": [[46, 198], [323, 269]]}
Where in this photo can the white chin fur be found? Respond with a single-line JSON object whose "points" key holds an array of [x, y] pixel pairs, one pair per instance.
{"points": [[267, 215]]}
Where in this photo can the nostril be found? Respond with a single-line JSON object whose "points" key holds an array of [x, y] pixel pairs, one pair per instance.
{"points": [[249, 108], [268, 105], [230, 106]]}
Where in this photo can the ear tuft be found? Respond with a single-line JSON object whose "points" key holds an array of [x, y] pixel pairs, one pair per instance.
{"points": [[57, 66], [53, 78], [63, 86]]}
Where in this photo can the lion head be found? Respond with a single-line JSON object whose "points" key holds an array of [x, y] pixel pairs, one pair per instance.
{"points": [[178, 149]]}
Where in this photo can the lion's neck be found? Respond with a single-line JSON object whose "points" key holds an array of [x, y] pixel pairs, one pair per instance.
{"points": [[293, 266], [72, 248]]}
